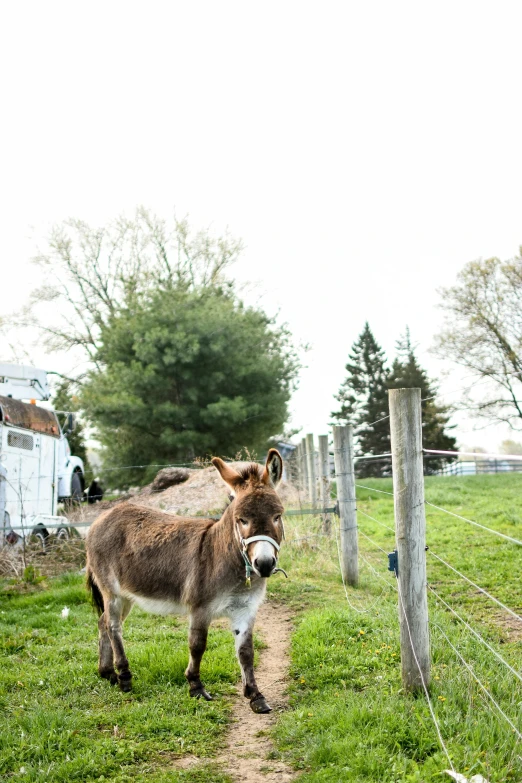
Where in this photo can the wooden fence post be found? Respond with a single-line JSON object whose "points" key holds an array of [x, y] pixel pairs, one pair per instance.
{"points": [[291, 472], [310, 460], [304, 463], [298, 478], [324, 480], [410, 530], [345, 477]]}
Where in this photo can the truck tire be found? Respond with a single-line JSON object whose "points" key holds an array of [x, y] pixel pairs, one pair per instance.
{"points": [[76, 487], [40, 534]]}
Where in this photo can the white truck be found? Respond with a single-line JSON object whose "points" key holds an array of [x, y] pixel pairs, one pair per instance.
{"points": [[37, 470]]}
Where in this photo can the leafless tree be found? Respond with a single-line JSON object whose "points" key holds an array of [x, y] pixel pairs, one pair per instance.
{"points": [[93, 272], [483, 333]]}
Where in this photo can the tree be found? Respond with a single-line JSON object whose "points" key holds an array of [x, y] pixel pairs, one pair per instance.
{"points": [[364, 402], [406, 373], [510, 447], [483, 333], [66, 402], [94, 273], [170, 364], [363, 399], [188, 371]]}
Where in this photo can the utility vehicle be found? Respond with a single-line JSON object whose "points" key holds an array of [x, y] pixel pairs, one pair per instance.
{"points": [[37, 470]]}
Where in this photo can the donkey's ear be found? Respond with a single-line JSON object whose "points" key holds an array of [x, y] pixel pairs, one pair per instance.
{"points": [[227, 473], [273, 471]]}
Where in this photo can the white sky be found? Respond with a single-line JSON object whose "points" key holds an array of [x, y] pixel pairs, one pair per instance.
{"points": [[363, 151]]}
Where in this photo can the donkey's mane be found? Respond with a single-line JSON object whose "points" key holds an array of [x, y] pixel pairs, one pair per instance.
{"points": [[250, 471]]}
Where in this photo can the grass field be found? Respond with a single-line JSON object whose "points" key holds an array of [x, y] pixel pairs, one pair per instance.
{"points": [[349, 718]]}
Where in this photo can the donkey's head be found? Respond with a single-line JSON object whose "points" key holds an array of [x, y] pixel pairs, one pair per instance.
{"points": [[256, 509]]}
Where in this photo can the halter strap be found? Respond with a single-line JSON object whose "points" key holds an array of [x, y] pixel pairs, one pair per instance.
{"points": [[243, 543], [246, 541]]}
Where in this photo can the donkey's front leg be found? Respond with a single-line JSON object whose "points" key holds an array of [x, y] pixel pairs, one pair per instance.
{"points": [[198, 632], [243, 628]]}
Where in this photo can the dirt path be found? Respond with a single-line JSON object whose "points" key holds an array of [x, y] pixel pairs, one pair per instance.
{"points": [[248, 744], [245, 755]]}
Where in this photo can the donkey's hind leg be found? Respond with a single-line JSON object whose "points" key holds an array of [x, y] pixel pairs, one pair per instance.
{"points": [[106, 656], [118, 608], [198, 633]]}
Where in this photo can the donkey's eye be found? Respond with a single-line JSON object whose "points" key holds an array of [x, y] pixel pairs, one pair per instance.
{"points": [[243, 522], [278, 518]]}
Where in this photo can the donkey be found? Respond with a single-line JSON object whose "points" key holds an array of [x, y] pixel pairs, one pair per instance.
{"points": [[169, 564]]}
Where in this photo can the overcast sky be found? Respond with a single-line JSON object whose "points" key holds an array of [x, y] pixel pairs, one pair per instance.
{"points": [[363, 151]]}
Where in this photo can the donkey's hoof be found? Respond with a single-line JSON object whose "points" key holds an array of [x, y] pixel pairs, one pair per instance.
{"points": [[110, 675], [260, 705], [125, 682], [201, 693]]}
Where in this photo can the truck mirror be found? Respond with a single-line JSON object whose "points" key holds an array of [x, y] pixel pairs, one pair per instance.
{"points": [[71, 422]]}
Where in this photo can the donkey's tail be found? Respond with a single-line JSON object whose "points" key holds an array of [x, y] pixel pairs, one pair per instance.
{"points": [[94, 590]]}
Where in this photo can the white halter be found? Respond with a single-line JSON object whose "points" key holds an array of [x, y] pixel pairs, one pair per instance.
{"points": [[244, 542]]}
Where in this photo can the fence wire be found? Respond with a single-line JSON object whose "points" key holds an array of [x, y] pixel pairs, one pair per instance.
{"points": [[373, 489], [355, 608], [373, 542], [378, 522], [390, 584], [480, 683], [476, 634], [477, 524], [190, 465], [425, 687], [476, 586]]}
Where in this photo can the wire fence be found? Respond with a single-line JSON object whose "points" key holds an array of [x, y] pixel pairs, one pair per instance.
{"points": [[470, 669], [445, 602]]}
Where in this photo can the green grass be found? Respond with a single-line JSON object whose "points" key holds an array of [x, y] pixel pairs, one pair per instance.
{"points": [[350, 719], [489, 561], [60, 722]]}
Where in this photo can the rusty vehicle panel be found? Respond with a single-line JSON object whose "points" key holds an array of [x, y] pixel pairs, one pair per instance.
{"points": [[30, 417]]}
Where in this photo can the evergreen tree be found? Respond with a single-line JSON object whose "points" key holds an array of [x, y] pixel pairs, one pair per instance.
{"points": [[363, 399], [406, 373], [188, 372]]}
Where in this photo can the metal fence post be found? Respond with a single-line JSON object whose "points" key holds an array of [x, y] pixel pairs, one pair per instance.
{"points": [[410, 528], [345, 478], [324, 480]]}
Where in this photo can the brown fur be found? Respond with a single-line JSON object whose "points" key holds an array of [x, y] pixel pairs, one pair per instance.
{"points": [[141, 554]]}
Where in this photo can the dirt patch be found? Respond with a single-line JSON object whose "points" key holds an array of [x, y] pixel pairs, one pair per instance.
{"points": [[202, 493], [248, 747], [510, 625]]}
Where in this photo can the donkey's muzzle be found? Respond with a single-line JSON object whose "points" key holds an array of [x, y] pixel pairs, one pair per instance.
{"points": [[264, 565]]}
